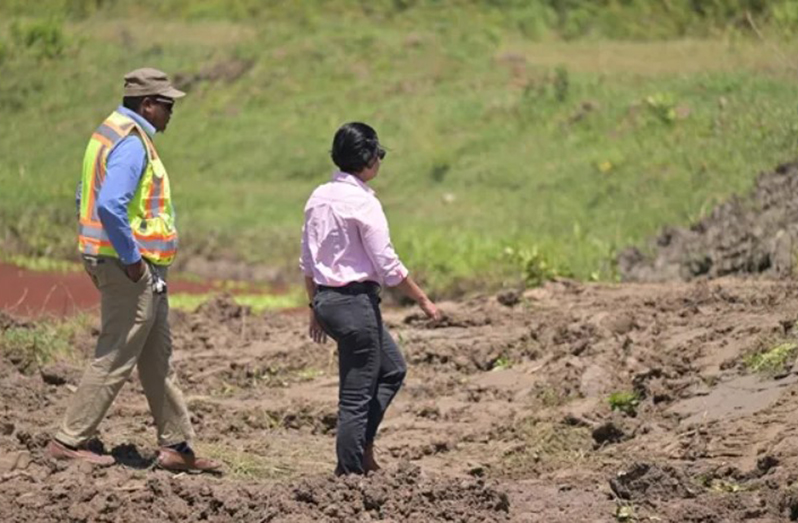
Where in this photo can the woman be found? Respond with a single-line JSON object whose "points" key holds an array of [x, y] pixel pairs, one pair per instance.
{"points": [[346, 256]]}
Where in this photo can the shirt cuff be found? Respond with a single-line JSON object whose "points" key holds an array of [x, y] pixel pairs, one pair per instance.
{"points": [[306, 269], [130, 260], [396, 276]]}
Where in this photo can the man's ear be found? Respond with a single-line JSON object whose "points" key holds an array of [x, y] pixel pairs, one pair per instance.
{"points": [[146, 103]]}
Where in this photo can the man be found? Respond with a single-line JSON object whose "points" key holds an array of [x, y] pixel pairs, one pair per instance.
{"points": [[127, 239]]}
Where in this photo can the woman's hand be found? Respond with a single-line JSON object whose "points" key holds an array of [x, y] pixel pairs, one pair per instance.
{"points": [[411, 289], [431, 310], [315, 331]]}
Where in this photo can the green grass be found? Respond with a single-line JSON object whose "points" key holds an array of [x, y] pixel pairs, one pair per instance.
{"points": [[545, 444], [258, 303], [624, 401], [245, 465], [32, 346], [41, 263], [566, 151], [774, 360]]}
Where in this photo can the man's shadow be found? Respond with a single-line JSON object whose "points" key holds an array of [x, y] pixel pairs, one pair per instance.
{"points": [[128, 455]]}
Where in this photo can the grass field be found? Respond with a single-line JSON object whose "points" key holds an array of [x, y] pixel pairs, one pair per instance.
{"points": [[502, 148]]}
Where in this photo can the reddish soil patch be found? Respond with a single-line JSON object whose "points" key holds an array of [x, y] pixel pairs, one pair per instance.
{"points": [[29, 293], [33, 294]]}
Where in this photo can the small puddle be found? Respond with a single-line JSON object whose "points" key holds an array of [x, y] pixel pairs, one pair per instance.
{"points": [[741, 396]]}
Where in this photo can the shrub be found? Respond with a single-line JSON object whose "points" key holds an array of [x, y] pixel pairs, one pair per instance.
{"points": [[536, 268], [45, 38], [662, 107]]}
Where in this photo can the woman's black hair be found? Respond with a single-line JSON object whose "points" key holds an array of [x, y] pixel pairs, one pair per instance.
{"points": [[355, 146]]}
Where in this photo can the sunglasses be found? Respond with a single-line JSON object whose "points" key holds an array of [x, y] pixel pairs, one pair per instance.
{"points": [[168, 103], [381, 153]]}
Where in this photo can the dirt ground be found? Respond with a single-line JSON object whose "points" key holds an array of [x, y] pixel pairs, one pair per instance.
{"points": [[504, 416], [752, 234]]}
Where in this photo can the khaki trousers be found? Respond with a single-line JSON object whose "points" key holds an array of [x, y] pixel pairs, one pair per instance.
{"points": [[135, 332]]}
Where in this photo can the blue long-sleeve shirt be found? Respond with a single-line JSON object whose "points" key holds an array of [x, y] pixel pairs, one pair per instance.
{"points": [[124, 168]]}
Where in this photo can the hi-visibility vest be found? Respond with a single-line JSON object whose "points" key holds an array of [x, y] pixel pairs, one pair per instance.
{"points": [[150, 211]]}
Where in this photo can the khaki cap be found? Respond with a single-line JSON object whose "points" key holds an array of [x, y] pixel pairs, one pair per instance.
{"points": [[148, 81]]}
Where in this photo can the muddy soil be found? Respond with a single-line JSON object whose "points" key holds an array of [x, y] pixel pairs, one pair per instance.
{"points": [[505, 416], [755, 234]]}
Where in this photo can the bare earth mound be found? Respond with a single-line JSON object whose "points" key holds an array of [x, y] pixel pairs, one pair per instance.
{"points": [[753, 235], [505, 416]]}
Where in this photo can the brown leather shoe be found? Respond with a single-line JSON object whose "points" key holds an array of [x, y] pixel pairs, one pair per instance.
{"points": [[170, 459], [58, 450]]}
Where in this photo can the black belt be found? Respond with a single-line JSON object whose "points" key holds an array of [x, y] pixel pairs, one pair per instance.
{"points": [[356, 287]]}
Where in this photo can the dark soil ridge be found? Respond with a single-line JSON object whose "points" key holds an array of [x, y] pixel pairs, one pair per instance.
{"points": [[756, 234], [74, 492]]}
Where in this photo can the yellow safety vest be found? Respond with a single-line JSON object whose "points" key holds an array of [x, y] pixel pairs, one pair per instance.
{"points": [[150, 211]]}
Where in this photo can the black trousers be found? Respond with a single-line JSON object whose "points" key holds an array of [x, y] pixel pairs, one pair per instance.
{"points": [[371, 369]]}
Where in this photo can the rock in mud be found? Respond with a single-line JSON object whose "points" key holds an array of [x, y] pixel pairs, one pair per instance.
{"points": [[6, 428], [509, 298], [60, 374], [607, 433], [765, 464], [650, 482]]}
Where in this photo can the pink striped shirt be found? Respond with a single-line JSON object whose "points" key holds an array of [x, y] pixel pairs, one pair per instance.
{"points": [[345, 238]]}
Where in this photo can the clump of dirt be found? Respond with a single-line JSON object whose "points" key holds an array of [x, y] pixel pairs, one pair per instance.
{"points": [[405, 494], [60, 373], [757, 234], [644, 482], [84, 494]]}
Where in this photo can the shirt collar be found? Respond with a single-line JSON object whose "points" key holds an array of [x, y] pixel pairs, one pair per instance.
{"points": [[143, 123], [351, 179]]}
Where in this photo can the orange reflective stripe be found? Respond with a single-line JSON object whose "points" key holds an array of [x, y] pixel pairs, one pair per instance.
{"points": [[159, 255], [97, 177], [103, 140], [163, 237], [121, 130], [150, 197], [105, 130], [94, 241], [161, 196]]}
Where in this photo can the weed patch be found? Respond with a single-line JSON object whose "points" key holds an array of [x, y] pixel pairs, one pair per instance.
{"points": [[624, 401], [772, 361], [258, 303], [246, 465], [545, 444], [29, 347]]}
